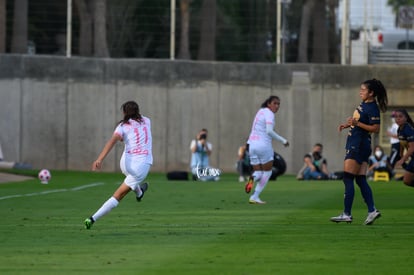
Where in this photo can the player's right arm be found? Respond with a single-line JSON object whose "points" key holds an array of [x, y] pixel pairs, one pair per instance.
{"points": [[97, 164]]}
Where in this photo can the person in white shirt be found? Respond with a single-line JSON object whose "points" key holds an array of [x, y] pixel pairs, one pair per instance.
{"points": [[395, 142], [1, 154], [260, 147], [135, 131]]}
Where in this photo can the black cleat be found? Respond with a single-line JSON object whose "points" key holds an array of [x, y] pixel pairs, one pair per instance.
{"points": [[144, 188]]}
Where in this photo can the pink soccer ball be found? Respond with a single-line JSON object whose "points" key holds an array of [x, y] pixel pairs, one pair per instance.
{"points": [[44, 176]]}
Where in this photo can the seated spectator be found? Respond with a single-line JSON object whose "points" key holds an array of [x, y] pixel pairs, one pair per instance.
{"points": [[243, 163], [315, 166], [12, 164], [379, 161]]}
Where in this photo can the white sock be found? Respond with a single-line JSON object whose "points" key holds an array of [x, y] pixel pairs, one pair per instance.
{"points": [[105, 208], [257, 175], [262, 183]]}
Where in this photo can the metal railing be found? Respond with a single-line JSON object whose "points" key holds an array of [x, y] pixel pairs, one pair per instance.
{"points": [[381, 56]]}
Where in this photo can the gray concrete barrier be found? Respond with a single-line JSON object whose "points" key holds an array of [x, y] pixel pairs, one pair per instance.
{"points": [[57, 112]]}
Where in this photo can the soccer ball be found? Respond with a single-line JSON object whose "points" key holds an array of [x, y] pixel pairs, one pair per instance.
{"points": [[44, 176]]}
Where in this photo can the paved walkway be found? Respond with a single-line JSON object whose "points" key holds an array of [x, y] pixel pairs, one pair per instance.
{"points": [[5, 177]]}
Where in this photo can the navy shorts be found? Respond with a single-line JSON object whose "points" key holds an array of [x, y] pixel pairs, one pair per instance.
{"points": [[360, 154]]}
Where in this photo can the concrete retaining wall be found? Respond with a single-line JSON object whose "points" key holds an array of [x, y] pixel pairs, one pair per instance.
{"points": [[58, 113]]}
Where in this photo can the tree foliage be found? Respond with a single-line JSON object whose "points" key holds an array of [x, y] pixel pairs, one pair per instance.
{"points": [[396, 4], [228, 30]]}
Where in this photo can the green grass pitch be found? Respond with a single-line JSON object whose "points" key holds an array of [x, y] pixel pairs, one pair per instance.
{"points": [[201, 228]]}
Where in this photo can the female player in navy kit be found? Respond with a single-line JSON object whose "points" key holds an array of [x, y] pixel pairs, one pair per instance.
{"points": [[406, 137], [365, 120]]}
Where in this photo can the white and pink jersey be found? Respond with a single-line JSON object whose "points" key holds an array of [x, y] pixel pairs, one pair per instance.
{"points": [[137, 139], [258, 133]]}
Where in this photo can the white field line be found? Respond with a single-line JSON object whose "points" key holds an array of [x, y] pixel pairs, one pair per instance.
{"points": [[53, 191]]}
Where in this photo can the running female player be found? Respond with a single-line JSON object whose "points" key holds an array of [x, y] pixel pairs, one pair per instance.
{"points": [[135, 131], [260, 147], [365, 120], [406, 137]]}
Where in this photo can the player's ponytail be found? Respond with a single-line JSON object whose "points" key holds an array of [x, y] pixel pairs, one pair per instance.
{"points": [[379, 92]]}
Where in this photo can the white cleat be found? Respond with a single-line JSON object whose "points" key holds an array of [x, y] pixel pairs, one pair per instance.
{"points": [[342, 218], [372, 216], [256, 201]]}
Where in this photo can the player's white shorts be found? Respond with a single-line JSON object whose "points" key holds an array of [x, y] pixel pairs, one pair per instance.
{"points": [[135, 171], [260, 153]]}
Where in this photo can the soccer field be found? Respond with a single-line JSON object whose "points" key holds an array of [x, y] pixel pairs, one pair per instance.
{"points": [[201, 228]]}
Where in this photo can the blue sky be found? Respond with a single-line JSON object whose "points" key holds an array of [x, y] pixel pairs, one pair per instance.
{"points": [[368, 12]]}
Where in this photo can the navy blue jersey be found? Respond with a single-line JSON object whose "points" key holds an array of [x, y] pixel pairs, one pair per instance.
{"points": [[367, 113], [405, 135]]}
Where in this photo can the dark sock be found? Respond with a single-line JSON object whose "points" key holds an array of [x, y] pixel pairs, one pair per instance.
{"points": [[366, 191], [349, 192]]}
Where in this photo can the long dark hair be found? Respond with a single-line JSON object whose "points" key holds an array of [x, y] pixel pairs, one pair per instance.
{"points": [[379, 92], [407, 116], [269, 100], [131, 111]]}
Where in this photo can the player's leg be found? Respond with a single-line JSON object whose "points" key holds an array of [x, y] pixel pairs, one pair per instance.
{"points": [[363, 185], [261, 159], [265, 160], [351, 168], [255, 162], [255, 177], [366, 192], [137, 175], [408, 178], [261, 184], [111, 203]]}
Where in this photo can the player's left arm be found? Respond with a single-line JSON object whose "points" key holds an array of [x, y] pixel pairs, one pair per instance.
{"points": [[274, 135], [374, 128], [409, 152], [374, 121]]}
